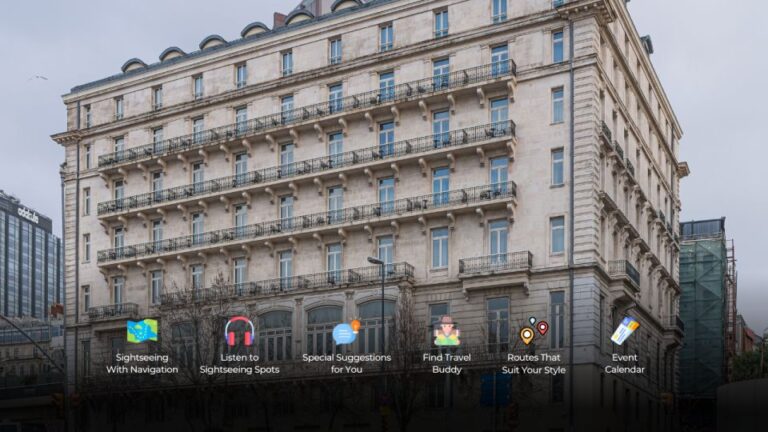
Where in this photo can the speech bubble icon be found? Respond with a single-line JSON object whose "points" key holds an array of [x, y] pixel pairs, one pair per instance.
{"points": [[343, 334]]}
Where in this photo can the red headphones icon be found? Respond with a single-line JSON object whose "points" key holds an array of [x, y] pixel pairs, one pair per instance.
{"points": [[230, 335]]}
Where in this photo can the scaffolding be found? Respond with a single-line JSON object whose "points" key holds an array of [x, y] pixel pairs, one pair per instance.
{"points": [[707, 307]]}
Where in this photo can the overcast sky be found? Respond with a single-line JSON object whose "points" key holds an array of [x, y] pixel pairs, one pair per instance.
{"points": [[710, 55]]}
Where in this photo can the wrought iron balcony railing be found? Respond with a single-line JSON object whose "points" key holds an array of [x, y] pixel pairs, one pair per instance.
{"points": [[630, 168], [522, 260], [398, 93], [312, 282], [619, 150], [674, 322], [606, 133], [113, 311], [622, 268], [457, 138], [663, 217], [279, 227]]}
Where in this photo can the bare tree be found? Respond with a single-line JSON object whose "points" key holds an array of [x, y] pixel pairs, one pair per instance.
{"points": [[406, 363]]}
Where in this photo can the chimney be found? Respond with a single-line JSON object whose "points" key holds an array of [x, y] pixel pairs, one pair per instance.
{"points": [[278, 20]]}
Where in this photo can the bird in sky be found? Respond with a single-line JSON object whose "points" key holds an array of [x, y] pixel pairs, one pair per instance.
{"points": [[36, 77]]}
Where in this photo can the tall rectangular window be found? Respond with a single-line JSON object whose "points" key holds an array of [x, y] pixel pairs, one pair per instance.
{"points": [[157, 234], [499, 11], [498, 324], [498, 232], [198, 87], [499, 115], [441, 23], [118, 237], [198, 176], [86, 247], [441, 129], [286, 109], [441, 70], [387, 195], [239, 267], [285, 263], [335, 148], [196, 276], [241, 120], [334, 51], [387, 138], [241, 220], [386, 37], [120, 148], [557, 235], [118, 189], [198, 227], [558, 176], [241, 75], [157, 139], [557, 46], [157, 97], [499, 174], [333, 261], [386, 86], [157, 185], [557, 105], [198, 125], [88, 116], [386, 249], [241, 168], [286, 159], [287, 63], [557, 319], [118, 287], [86, 290], [88, 156], [441, 185], [439, 248], [500, 60], [156, 286], [335, 98], [119, 108], [335, 204], [86, 201], [286, 211]]}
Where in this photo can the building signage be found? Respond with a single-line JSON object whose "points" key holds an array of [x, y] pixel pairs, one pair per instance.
{"points": [[28, 215]]}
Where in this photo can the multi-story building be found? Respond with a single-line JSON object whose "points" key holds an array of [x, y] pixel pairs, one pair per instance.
{"points": [[504, 159]]}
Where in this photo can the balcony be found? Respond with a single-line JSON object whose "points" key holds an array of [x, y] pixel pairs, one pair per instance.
{"points": [[624, 269], [619, 151], [396, 272], [606, 135], [630, 168], [411, 91], [468, 138], [674, 330], [115, 311], [491, 271], [406, 208]]}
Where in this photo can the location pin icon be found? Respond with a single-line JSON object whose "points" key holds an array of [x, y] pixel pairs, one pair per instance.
{"points": [[542, 327], [526, 335], [532, 320]]}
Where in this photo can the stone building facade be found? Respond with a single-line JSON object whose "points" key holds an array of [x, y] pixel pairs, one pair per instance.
{"points": [[505, 159]]}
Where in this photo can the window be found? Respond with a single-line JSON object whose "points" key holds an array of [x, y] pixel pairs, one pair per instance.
{"points": [[86, 290], [369, 335], [557, 235], [285, 264], [387, 138], [286, 109], [275, 339], [86, 201], [499, 10], [286, 211], [241, 220], [119, 108], [239, 274], [499, 175], [557, 46], [241, 168], [320, 323], [286, 159], [156, 286], [335, 204], [334, 53], [499, 60], [157, 139], [333, 262], [197, 129], [198, 176], [439, 248], [336, 148], [120, 148], [441, 134], [557, 319], [498, 324], [557, 3], [558, 177], [499, 115], [440, 186], [335, 98], [198, 222], [386, 86], [157, 185], [88, 116], [557, 105], [196, 276], [118, 238], [386, 37], [88, 158], [498, 232], [441, 23], [241, 75], [86, 247], [241, 120], [440, 73], [387, 195], [386, 250], [198, 87], [287, 65], [157, 97], [118, 284]]}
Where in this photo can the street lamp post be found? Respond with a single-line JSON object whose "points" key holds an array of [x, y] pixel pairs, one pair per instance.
{"points": [[380, 263]]}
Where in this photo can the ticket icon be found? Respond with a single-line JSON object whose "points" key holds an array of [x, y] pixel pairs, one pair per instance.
{"points": [[626, 328]]}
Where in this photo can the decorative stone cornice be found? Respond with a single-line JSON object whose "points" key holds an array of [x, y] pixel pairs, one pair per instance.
{"points": [[604, 10], [65, 138]]}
